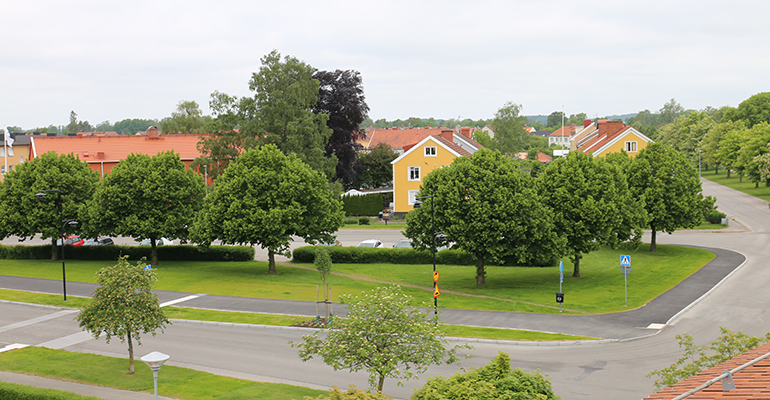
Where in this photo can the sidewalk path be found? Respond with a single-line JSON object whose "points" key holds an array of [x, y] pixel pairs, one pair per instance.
{"points": [[622, 325]]}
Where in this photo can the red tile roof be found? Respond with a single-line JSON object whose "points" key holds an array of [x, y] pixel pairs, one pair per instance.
{"points": [[115, 148], [564, 131], [751, 382], [398, 138]]}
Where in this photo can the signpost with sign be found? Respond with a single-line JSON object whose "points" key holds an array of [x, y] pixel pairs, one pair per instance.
{"points": [[560, 293], [625, 268]]}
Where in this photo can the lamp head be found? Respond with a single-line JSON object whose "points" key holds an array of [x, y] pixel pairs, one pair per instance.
{"points": [[40, 196], [155, 360]]}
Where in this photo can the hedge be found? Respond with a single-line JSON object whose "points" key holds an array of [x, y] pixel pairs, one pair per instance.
{"points": [[368, 204], [112, 252], [368, 255], [11, 391]]}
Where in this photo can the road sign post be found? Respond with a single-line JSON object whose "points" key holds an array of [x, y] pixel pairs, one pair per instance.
{"points": [[625, 268], [560, 299]]}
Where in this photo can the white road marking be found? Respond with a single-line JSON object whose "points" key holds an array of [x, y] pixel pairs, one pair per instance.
{"points": [[37, 320], [186, 298]]}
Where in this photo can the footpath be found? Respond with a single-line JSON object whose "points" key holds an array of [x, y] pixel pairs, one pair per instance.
{"points": [[621, 326]]}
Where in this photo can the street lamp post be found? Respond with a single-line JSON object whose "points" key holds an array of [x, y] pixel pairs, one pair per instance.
{"points": [[433, 247], [155, 360], [64, 223]]}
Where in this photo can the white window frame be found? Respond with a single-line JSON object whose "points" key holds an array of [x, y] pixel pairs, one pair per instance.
{"points": [[414, 171], [413, 194], [631, 146], [2, 151], [430, 151]]}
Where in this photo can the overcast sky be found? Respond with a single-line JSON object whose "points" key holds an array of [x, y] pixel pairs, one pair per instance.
{"points": [[111, 60]]}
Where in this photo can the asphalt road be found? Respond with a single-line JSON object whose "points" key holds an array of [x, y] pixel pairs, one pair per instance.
{"points": [[578, 371]]}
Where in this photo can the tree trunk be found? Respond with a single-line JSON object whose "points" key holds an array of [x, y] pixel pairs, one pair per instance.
{"points": [[54, 250], [576, 270], [652, 241], [270, 261], [381, 383], [728, 173], [154, 252], [130, 354], [480, 271]]}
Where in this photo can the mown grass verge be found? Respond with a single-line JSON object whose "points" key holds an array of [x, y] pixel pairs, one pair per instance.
{"points": [[748, 187]]}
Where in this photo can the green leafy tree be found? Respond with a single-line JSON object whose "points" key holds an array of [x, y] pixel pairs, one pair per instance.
{"points": [[352, 393], [508, 126], [187, 118], [670, 111], [375, 168], [700, 358], [729, 149], [483, 138], [132, 126], [146, 197], [23, 215], [488, 207], [76, 126], [495, 380], [555, 120], [670, 187], [124, 306], [592, 204], [687, 132], [266, 198], [714, 141], [383, 335], [753, 111], [755, 145], [323, 263]]}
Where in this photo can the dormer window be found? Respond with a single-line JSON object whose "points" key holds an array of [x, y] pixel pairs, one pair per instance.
{"points": [[430, 151], [631, 147]]}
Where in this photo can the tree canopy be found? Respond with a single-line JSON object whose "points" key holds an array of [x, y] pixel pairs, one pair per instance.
{"points": [[187, 118], [375, 168], [265, 198], [383, 335], [754, 110], [64, 177], [591, 204], [487, 206], [124, 305], [508, 126], [146, 197], [670, 187]]}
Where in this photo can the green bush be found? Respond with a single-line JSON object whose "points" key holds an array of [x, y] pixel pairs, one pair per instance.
{"points": [[714, 216], [351, 394], [363, 221], [351, 221], [112, 252], [368, 204], [10, 391]]}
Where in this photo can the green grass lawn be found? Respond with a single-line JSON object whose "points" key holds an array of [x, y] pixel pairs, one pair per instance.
{"points": [[748, 187], [176, 382], [599, 290]]}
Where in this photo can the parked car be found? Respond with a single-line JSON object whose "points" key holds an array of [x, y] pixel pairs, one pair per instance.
{"points": [[72, 240], [158, 242], [334, 243], [403, 244], [370, 243], [99, 242]]}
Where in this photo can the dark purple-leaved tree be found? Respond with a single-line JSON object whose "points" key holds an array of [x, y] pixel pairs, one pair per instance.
{"points": [[341, 96]]}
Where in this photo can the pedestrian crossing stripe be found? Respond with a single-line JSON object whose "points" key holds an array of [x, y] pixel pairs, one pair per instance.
{"points": [[625, 261]]}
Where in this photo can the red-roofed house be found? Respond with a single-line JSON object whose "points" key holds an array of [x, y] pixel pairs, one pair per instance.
{"points": [[398, 138], [421, 158], [750, 373], [613, 137], [561, 136], [102, 153]]}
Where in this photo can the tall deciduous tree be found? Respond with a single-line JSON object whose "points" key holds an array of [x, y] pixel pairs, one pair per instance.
{"points": [[591, 203], [341, 97], [754, 110], [375, 169], [487, 206], [670, 187], [508, 126], [687, 132], [265, 198], [383, 335], [146, 197], [755, 145], [187, 118], [124, 305], [23, 215]]}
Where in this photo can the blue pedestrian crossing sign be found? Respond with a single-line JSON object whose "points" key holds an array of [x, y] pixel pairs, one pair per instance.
{"points": [[625, 261]]}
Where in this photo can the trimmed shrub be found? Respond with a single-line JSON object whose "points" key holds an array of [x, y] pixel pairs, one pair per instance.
{"points": [[363, 221], [368, 204], [112, 252], [11, 391], [350, 221], [714, 216]]}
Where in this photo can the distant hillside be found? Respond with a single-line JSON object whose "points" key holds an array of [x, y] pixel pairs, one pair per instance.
{"points": [[543, 119]]}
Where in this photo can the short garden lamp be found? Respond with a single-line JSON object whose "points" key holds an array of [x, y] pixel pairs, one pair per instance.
{"points": [[155, 360]]}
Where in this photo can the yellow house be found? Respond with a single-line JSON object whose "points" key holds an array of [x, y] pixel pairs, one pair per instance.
{"points": [[613, 137], [419, 160], [11, 156]]}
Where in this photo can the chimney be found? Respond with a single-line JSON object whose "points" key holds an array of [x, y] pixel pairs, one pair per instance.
{"points": [[447, 134], [608, 128], [466, 131], [586, 123], [152, 131]]}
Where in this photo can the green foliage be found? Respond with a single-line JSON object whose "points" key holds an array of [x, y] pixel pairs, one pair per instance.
{"points": [[323, 263], [124, 305], [382, 335], [495, 380], [508, 126], [686, 133], [145, 197], [165, 253], [375, 169], [699, 358], [132, 126], [368, 204], [487, 206], [23, 215], [352, 393], [364, 221], [350, 221], [10, 391], [266, 198], [753, 111], [670, 187], [591, 204], [714, 216], [187, 118]]}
